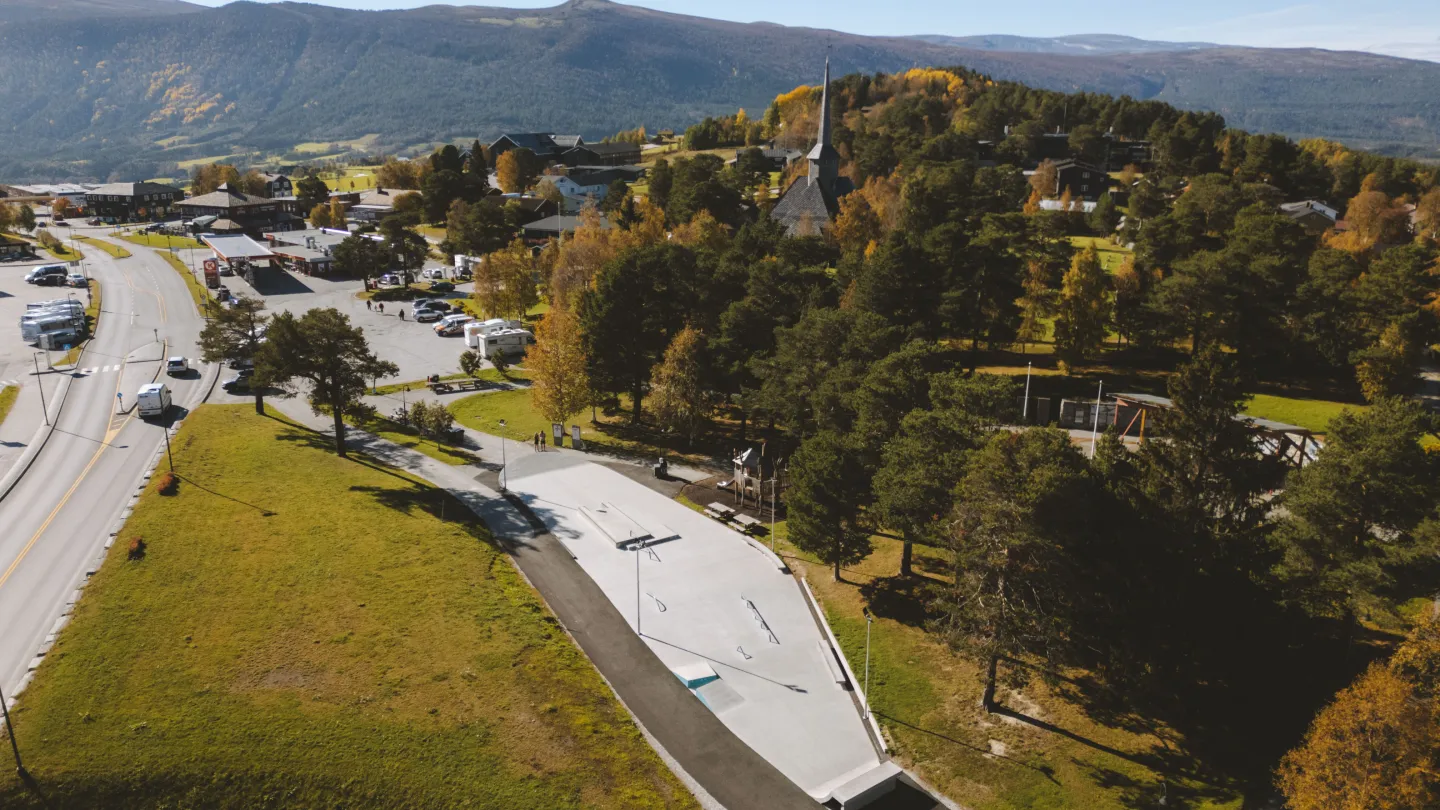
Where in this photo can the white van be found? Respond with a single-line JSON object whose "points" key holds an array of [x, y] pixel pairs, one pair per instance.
{"points": [[508, 342], [152, 400], [452, 325], [31, 330], [479, 329]]}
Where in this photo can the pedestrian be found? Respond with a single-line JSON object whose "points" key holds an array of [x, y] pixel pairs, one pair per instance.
{"points": [[368, 304], [402, 313], [381, 306], [535, 442], [544, 441]]}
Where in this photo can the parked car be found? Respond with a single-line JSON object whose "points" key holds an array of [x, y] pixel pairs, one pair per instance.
{"points": [[434, 273], [177, 366], [59, 223], [389, 280], [243, 364], [464, 274], [241, 382], [77, 280], [442, 287], [437, 304], [50, 281], [452, 325], [94, 221], [428, 314]]}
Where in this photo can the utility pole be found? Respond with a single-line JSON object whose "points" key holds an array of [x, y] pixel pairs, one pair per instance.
{"points": [[869, 620], [40, 386], [503, 465], [14, 746], [169, 458]]}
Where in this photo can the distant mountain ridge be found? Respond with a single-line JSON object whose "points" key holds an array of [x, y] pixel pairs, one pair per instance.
{"points": [[129, 93], [1075, 45]]}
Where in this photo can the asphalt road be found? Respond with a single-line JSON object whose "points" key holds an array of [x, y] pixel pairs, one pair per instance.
{"points": [[54, 522]]}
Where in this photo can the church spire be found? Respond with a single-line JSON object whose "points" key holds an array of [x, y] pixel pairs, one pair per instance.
{"points": [[824, 160]]}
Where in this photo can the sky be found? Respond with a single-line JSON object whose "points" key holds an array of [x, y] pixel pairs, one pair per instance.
{"points": [[1409, 28]]}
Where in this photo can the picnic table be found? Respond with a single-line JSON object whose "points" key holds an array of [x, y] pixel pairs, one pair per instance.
{"points": [[448, 386], [747, 523], [719, 511]]}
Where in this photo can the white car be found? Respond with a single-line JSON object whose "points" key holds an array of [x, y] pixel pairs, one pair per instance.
{"points": [[434, 273], [177, 366], [77, 280]]}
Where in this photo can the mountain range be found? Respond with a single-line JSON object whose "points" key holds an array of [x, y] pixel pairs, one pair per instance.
{"points": [[127, 88]]}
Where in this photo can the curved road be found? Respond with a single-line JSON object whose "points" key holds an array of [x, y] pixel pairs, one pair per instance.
{"points": [[54, 523]]}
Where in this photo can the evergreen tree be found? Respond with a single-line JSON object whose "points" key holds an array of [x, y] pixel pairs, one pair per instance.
{"points": [[825, 500]]}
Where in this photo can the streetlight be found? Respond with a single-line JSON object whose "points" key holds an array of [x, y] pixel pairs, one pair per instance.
{"points": [[169, 458], [1025, 407], [1095, 431], [869, 619], [40, 386], [502, 455], [14, 746]]}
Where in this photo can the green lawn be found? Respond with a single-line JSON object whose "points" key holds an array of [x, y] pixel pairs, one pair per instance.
{"points": [[114, 250], [8, 395], [486, 374], [64, 252], [927, 700], [1313, 414], [163, 242], [302, 630], [1111, 254], [407, 437]]}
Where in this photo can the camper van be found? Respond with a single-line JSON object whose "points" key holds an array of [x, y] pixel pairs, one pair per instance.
{"points": [[31, 330], [475, 332], [509, 342], [152, 400], [452, 325]]}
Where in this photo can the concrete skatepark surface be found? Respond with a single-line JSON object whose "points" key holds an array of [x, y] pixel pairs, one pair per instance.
{"points": [[710, 597]]}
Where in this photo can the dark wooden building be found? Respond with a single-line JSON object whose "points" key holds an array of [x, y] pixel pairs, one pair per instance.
{"points": [[132, 202]]}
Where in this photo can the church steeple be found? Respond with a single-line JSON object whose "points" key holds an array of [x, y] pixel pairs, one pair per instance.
{"points": [[824, 160]]}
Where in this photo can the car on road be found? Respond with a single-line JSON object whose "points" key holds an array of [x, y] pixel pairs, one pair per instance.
{"points": [[77, 280], [60, 223], [434, 273], [94, 221], [241, 382], [177, 366], [152, 400], [442, 287]]}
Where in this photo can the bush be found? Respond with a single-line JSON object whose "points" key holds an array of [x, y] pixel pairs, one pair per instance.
{"points": [[471, 362], [498, 360], [431, 419], [168, 484], [137, 548], [401, 294]]}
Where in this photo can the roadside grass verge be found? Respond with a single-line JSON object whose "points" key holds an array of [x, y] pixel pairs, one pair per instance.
{"points": [[302, 630], [8, 395], [115, 251], [64, 252], [161, 241], [927, 700], [198, 293], [92, 322]]}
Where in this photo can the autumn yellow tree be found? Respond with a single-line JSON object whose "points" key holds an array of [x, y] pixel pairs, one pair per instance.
{"points": [[207, 178], [516, 170], [320, 216], [1084, 309], [1427, 215], [337, 213], [1045, 179], [1377, 747], [559, 380], [857, 224], [60, 208], [505, 282], [678, 397], [1374, 219], [702, 231]]}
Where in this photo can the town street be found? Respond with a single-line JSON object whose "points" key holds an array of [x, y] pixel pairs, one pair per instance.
{"points": [[55, 520]]}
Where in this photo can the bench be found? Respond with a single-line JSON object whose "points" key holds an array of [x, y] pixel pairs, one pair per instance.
{"points": [[713, 514], [455, 385], [721, 509], [747, 523]]}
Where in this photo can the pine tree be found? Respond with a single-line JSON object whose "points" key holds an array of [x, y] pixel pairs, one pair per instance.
{"points": [[827, 492]]}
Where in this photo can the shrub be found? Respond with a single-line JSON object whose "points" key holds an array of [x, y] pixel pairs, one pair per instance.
{"points": [[431, 419], [498, 360], [137, 548], [168, 484], [471, 362]]}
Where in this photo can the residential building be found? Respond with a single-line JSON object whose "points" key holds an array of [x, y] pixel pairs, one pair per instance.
{"points": [[528, 208], [48, 191], [236, 212], [1085, 181], [810, 204], [132, 202], [579, 186], [539, 231], [277, 185], [1314, 216], [375, 204], [780, 159], [602, 154], [548, 147]]}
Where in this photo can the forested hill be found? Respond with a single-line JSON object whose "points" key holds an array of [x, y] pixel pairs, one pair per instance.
{"points": [[83, 96]]}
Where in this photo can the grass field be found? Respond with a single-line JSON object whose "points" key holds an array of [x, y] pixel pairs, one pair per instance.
{"points": [[301, 630], [115, 251], [350, 178], [163, 242], [927, 700], [487, 374], [1111, 254], [1312, 414], [8, 395], [64, 252], [92, 322]]}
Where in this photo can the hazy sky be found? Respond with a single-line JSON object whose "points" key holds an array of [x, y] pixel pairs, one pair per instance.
{"points": [[1400, 27]]}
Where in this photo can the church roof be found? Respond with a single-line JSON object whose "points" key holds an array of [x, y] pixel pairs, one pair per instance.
{"points": [[806, 203]]}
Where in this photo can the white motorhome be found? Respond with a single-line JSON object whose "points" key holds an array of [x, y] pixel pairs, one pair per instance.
{"points": [[152, 400], [508, 342], [31, 330], [474, 332]]}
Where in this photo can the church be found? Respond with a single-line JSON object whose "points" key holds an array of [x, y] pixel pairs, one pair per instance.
{"points": [[810, 204]]}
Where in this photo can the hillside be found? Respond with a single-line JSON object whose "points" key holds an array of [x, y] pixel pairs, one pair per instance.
{"points": [[87, 97], [22, 10], [1077, 44]]}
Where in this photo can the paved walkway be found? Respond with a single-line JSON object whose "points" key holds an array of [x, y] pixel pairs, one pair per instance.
{"points": [[709, 753]]}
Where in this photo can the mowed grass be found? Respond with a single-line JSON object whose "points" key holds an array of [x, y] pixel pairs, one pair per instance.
{"points": [[308, 631], [115, 251], [8, 395], [1312, 414], [1111, 254], [198, 293], [163, 242], [927, 701]]}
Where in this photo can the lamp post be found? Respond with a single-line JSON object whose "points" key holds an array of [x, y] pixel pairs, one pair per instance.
{"points": [[1095, 431], [1025, 407], [168, 458], [502, 458], [869, 620], [40, 386], [10, 732]]}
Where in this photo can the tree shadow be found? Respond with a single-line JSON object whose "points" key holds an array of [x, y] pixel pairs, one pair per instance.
{"points": [[902, 599], [194, 482], [1047, 771], [437, 503]]}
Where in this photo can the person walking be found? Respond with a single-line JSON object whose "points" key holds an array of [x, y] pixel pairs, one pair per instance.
{"points": [[381, 306], [402, 313], [544, 441], [369, 304]]}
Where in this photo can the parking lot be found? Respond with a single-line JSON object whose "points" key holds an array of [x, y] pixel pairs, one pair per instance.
{"points": [[16, 356], [412, 346]]}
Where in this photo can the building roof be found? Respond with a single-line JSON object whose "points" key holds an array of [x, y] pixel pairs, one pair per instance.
{"points": [[567, 141], [618, 148], [823, 149], [560, 223], [230, 248], [806, 199], [1295, 210], [270, 178], [1068, 163], [304, 254], [224, 197], [226, 225], [384, 196], [599, 177], [133, 189]]}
